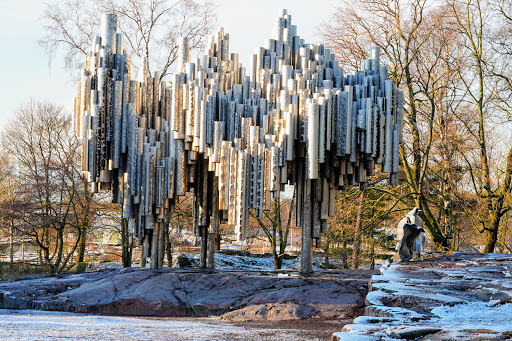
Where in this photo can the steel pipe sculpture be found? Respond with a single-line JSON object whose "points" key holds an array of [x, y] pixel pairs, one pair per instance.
{"points": [[234, 137]]}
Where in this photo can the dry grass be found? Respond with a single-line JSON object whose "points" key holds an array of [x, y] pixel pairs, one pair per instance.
{"points": [[11, 271]]}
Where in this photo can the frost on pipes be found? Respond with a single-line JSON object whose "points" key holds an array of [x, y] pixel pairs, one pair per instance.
{"points": [[234, 137]]}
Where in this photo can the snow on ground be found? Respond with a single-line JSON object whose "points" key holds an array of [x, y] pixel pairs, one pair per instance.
{"points": [[487, 315], [233, 262], [250, 262], [43, 325]]}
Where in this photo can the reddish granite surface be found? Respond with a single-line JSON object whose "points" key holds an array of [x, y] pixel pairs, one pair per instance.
{"points": [[234, 295]]}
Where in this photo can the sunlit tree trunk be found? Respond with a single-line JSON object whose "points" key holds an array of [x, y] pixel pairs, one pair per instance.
{"points": [[359, 228]]}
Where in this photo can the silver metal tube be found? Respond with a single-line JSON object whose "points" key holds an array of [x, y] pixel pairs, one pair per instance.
{"points": [[312, 141]]}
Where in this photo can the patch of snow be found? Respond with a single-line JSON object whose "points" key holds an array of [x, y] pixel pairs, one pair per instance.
{"points": [[355, 332], [353, 337], [400, 312], [233, 262], [250, 262], [360, 329], [287, 275], [472, 315], [374, 319], [374, 297], [441, 298]]}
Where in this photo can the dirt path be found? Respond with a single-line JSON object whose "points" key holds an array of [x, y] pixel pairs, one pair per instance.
{"points": [[308, 329]]}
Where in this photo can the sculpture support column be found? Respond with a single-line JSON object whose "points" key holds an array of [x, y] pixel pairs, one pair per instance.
{"points": [[214, 221], [145, 250], [155, 245], [306, 257], [161, 245], [210, 261], [204, 246]]}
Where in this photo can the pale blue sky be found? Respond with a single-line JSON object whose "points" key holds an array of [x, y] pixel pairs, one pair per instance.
{"points": [[24, 65]]}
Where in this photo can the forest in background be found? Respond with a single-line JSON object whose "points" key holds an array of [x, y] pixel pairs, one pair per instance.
{"points": [[450, 58]]}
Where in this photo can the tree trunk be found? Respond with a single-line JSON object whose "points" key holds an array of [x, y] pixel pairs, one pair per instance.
{"points": [[326, 252], [491, 234], [46, 249], [276, 260], [11, 244], [168, 245], [40, 257], [217, 242], [81, 246], [344, 256], [372, 251], [430, 223], [60, 250], [359, 228], [84, 229], [273, 243]]}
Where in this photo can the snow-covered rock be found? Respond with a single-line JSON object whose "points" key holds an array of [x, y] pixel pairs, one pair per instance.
{"points": [[462, 296]]}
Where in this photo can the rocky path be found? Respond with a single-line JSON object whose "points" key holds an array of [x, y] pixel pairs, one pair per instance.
{"points": [[457, 296], [233, 295]]}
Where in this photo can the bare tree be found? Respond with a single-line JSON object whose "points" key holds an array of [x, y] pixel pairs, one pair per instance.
{"points": [[487, 90], [414, 46], [453, 61], [439, 84], [151, 28], [180, 217], [50, 205], [365, 218], [277, 229], [9, 194], [359, 226]]}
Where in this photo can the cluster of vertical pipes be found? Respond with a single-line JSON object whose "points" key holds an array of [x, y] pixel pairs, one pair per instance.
{"points": [[235, 138]]}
